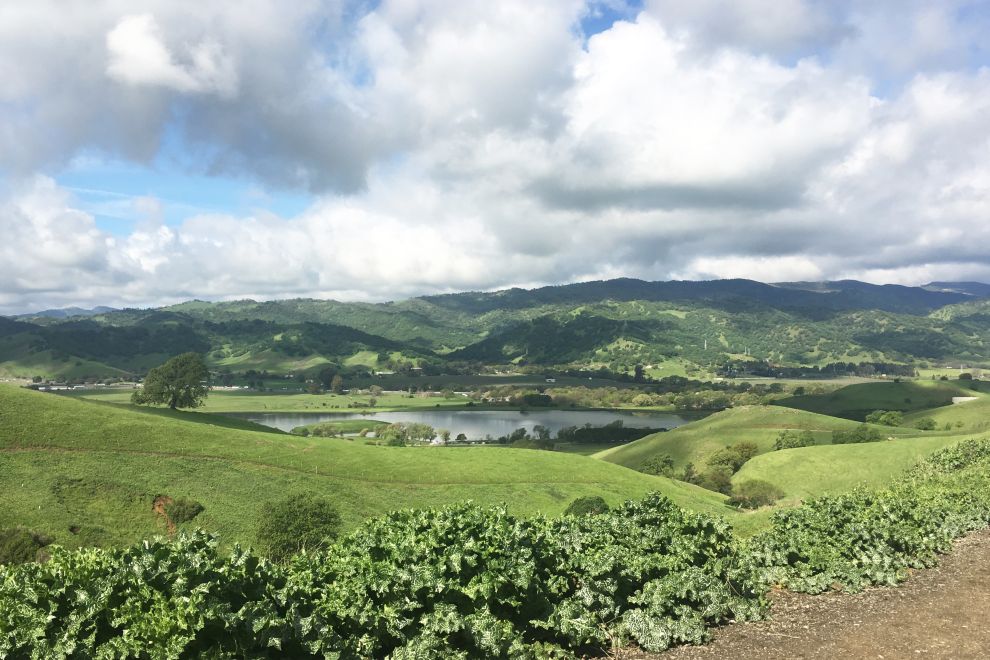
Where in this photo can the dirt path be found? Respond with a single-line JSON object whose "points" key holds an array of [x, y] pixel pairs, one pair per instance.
{"points": [[939, 613]]}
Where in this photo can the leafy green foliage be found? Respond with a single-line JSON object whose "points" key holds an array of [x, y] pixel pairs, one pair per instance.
{"points": [[179, 383], [462, 582], [298, 522], [587, 505], [925, 424], [754, 493]]}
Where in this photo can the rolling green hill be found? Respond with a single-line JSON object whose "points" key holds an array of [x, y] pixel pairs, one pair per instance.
{"points": [[87, 473], [811, 471], [695, 442], [965, 417], [859, 400]]}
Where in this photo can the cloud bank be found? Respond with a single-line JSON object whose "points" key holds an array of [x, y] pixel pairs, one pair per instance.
{"points": [[475, 145]]}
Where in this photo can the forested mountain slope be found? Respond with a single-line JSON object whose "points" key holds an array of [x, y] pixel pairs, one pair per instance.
{"points": [[723, 325]]}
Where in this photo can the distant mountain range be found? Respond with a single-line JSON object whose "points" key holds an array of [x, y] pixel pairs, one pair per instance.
{"points": [[614, 324], [65, 313]]}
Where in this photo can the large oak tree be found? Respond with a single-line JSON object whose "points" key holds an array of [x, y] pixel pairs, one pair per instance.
{"points": [[180, 383]]}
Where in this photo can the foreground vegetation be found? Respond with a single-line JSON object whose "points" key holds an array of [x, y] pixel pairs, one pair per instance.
{"points": [[467, 581]]}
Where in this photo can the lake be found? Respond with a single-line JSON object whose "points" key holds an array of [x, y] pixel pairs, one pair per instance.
{"points": [[476, 424]]}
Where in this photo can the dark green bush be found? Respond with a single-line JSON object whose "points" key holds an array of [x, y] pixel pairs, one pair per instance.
{"points": [[295, 523], [660, 465], [886, 417], [19, 545], [717, 478], [181, 510], [793, 440], [587, 505], [754, 493], [734, 456], [862, 433]]}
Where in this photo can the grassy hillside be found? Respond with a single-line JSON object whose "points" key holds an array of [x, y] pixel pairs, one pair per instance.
{"points": [[811, 471], [250, 401], [857, 401], [615, 324], [88, 473], [966, 417], [695, 442]]}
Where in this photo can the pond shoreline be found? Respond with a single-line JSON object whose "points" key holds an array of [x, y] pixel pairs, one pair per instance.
{"points": [[477, 424]]}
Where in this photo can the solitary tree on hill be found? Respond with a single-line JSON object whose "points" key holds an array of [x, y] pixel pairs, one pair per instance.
{"points": [[180, 383]]}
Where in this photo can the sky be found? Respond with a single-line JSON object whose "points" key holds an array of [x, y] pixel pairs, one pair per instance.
{"points": [[163, 150]]}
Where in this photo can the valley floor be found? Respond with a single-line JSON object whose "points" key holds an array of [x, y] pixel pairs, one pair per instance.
{"points": [[936, 613]]}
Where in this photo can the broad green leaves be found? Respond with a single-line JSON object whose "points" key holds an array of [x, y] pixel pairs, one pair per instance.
{"points": [[462, 581]]}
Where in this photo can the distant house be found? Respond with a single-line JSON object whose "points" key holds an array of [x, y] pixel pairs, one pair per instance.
{"points": [[551, 380]]}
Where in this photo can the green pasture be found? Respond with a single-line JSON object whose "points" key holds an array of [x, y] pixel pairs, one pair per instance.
{"points": [[858, 401], [87, 473], [695, 442]]}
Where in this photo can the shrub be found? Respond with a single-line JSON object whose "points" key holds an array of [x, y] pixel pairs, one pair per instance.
{"points": [[886, 417], [793, 440], [587, 505], [660, 464], [181, 510], [925, 424], [734, 456], [862, 433], [295, 523], [754, 493], [19, 545], [717, 478]]}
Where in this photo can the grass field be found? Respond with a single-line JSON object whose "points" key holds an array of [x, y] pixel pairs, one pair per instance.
{"points": [[966, 417], [695, 442], [250, 401], [857, 401], [70, 464], [811, 471]]}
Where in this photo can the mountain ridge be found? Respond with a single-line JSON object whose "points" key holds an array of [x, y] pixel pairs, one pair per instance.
{"points": [[611, 324]]}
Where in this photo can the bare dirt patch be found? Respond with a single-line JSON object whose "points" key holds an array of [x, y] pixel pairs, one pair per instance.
{"points": [[159, 507], [936, 613]]}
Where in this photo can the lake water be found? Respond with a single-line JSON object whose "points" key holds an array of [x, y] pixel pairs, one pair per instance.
{"points": [[476, 424]]}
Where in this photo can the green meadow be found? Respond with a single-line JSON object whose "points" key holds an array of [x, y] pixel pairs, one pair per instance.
{"points": [[87, 473], [85, 469], [223, 401], [695, 442], [858, 401]]}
